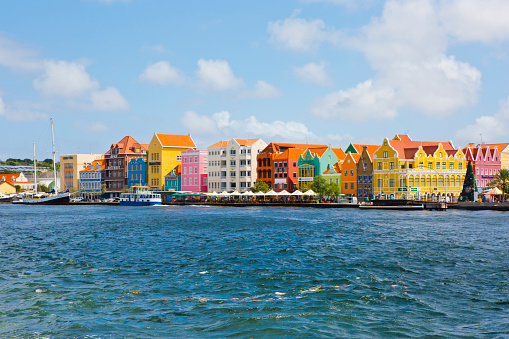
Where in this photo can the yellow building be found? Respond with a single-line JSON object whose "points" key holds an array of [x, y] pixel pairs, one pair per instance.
{"points": [[7, 188], [164, 153], [70, 167], [418, 170]]}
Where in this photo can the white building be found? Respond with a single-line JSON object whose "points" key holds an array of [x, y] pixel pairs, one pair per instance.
{"points": [[232, 164]]}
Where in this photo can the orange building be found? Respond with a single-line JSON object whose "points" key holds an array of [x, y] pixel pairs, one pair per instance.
{"points": [[349, 177]]}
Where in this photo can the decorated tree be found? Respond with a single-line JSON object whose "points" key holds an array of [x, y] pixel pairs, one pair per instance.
{"points": [[469, 187]]}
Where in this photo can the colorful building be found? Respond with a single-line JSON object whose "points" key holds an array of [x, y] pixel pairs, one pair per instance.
{"points": [[18, 179], [349, 178], [503, 153], [420, 170], [232, 164], [194, 170], [485, 162], [333, 175], [277, 165], [172, 181], [7, 188], [117, 160], [313, 162], [365, 172], [92, 178], [137, 172], [164, 153], [70, 167]]}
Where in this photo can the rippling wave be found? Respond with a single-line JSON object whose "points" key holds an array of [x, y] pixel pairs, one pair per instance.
{"points": [[109, 271]]}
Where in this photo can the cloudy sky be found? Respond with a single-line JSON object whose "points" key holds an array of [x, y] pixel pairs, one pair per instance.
{"points": [[317, 71]]}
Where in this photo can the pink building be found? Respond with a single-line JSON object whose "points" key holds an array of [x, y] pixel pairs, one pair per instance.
{"points": [[194, 169], [485, 161]]}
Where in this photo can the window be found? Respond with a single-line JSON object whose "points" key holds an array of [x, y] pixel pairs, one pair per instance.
{"points": [[351, 173], [346, 185], [444, 165], [295, 175], [460, 166], [392, 183], [385, 154], [284, 164], [430, 165], [195, 159], [437, 166], [195, 169], [195, 181], [346, 173], [179, 158], [351, 186], [233, 163], [451, 166], [379, 165], [294, 164], [185, 160], [391, 165], [232, 151]]}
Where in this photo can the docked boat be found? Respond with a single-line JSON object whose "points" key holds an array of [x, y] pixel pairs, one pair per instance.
{"points": [[140, 196], [49, 199], [53, 198]]}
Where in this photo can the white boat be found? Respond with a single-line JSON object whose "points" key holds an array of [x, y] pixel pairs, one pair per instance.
{"points": [[48, 198], [140, 196]]}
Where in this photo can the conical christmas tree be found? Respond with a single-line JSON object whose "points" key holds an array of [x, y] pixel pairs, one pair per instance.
{"points": [[469, 187]]}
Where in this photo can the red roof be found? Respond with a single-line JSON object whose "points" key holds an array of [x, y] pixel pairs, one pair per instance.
{"points": [[407, 149], [9, 177], [128, 145], [221, 143]]}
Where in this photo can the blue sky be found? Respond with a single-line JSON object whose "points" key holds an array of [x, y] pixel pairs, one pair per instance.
{"points": [[317, 71]]}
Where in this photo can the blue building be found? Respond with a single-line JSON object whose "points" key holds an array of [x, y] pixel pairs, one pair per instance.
{"points": [[92, 179], [137, 172]]}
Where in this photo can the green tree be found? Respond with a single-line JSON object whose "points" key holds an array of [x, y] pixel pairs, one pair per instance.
{"points": [[502, 180], [43, 188], [320, 186], [260, 186], [469, 187], [334, 190], [18, 188]]}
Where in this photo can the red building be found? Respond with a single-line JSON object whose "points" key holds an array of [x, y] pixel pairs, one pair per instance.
{"points": [[278, 165], [117, 160]]}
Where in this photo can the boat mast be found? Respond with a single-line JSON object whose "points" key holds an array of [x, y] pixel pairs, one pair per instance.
{"points": [[35, 171], [54, 166]]}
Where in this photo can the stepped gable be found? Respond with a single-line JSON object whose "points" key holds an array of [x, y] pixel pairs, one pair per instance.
{"points": [[176, 140]]}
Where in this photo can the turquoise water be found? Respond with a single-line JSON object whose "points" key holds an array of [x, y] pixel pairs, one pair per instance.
{"points": [[215, 272]]}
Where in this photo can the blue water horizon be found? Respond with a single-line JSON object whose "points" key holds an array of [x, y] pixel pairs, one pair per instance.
{"points": [[261, 272]]}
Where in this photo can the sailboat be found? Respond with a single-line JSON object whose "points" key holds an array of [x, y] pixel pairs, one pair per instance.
{"points": [[51, 198]]}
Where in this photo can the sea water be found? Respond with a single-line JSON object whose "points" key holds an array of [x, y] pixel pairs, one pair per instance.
{"points": [[261, 272]]}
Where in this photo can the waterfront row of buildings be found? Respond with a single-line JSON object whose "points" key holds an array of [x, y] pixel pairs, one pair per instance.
{"points": [[399, 167]]}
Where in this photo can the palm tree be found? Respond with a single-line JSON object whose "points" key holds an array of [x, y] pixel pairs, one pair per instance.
{"points": [[502, 179]]}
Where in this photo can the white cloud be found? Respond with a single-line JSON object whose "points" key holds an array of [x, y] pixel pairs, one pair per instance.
{"points": [[221, 124], [340, 138], [313, 73], [109, 99], [476, 20], [217, 75], [93, 127], [406, 46], [66, 79], [262, 90], [157, 49], [493, 128], [16, 56], [363, 102], [162, 73], [199, 124], [2, 106], [300, 34], [347, 3]]}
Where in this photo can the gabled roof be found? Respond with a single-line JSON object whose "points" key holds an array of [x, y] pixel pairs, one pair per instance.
{"points": [[371, 148], [402, 137], [9, 177], [6, 183], [128, 145], [336, 168], [339, 153], [221, 143], [500, 147], [279, 147], [318, 150], [246, 142], [176, 140], [407, 149], [176, 170], [290, 153], [354, 156]]}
